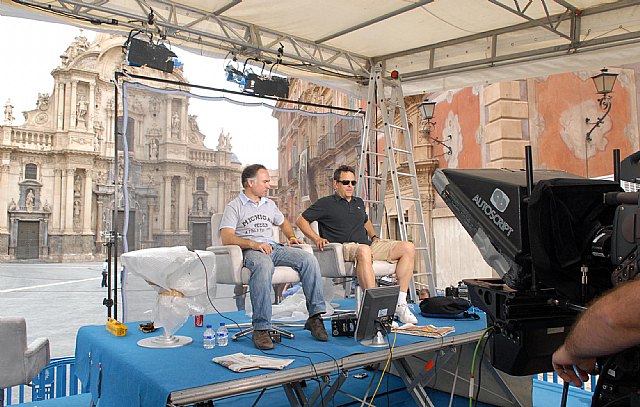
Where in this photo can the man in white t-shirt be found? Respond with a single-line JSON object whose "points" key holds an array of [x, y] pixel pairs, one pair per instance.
{"points": [[248, 222]]}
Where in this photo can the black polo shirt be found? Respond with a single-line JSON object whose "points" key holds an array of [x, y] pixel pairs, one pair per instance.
{"points": [[339, 220]]}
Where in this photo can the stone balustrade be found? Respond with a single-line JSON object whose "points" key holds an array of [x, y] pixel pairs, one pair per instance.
{"points": [[32, 139], [202, 156]]}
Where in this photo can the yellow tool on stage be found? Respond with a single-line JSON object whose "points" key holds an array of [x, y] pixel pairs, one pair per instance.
{"points": [[116, 328]]}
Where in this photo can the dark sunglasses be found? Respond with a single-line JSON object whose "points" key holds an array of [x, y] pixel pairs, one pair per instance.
{"points": [[346, 182]]}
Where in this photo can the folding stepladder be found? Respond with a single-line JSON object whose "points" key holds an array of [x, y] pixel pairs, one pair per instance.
{"points": [[397, 160]]}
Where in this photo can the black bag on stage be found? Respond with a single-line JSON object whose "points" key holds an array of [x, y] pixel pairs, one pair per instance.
{"points": [[446, 307]]}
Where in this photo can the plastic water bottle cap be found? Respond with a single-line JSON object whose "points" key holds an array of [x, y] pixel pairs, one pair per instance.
{"points": [[208, 326], [221, 323]]}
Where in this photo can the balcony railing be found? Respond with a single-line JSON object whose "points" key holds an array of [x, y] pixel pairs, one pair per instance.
{"points": [[202, 157], [345, 128], [32, 139], [292, 173]]}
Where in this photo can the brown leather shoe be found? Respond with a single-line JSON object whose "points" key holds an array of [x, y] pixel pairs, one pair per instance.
{"points": [[316, 326], [262, 340]]}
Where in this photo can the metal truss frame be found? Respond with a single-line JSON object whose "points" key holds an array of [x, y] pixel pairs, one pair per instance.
{"points": [[210, 32]]}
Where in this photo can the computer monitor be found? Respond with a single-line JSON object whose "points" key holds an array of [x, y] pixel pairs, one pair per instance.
{"points": [[376, 311]]}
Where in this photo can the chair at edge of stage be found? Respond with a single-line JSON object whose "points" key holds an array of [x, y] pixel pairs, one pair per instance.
{"points": [[229, 268], [19, 363], [333, 264]]}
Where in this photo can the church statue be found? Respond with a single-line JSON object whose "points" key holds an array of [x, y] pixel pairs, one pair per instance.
{"points": [[30, 200], [8, 112]]}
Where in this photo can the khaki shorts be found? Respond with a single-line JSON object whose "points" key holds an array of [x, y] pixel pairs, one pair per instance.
{"points": [[380, 250]]}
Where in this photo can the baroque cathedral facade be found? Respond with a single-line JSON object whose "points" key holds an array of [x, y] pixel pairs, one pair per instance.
{"points": [[57, 175]]}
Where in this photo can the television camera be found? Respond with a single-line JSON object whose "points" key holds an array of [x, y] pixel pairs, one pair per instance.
{"points": [[556, 240]]}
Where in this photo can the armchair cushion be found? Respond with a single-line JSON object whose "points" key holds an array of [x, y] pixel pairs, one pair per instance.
{"points": [[20, 363]]}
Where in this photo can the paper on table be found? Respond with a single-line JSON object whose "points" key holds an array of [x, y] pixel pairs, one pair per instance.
{"points": [[239, 362], [429, 331]]}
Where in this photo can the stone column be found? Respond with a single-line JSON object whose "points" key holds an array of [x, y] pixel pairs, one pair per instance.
{"points": [[166, 221], [183, 207], [99, 225], [507, 116], [61, 198], [60, 105], [150, 221], [73, 101], [221, 194], [55, 200], [88, 195], [4, 186], [168, 114], [91, 108], [68, 214]]}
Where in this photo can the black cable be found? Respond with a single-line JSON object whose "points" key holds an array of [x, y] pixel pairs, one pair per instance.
{"points": [[386, 332], [206, 283], [49, 8], [313, 366], [475, 401], [255, 403]]}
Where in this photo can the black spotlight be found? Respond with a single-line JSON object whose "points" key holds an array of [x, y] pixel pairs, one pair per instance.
{"points": [[144, 53]]}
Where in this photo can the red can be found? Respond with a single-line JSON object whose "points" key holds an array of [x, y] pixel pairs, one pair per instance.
{"points": [[198, 320]]}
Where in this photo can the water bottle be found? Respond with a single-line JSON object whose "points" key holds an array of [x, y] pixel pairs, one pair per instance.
{"points": [[223, 335], [209, 338]]}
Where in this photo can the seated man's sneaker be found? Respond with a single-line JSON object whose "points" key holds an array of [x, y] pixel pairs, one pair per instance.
{"points": [[316, 326], [404, 314], [262, 340]]}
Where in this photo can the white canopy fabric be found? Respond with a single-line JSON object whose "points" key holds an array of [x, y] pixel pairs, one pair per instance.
{"points": [[434, 44]]}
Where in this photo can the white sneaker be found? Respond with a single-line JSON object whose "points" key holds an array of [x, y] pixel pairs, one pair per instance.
{"points": [[404, 314]]}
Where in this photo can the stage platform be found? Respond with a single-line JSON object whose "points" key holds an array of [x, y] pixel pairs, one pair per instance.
{"points": [[117, 372]]}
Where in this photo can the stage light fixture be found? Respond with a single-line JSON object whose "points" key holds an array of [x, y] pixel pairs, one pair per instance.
{"points": [[267, 86], [145, 53]]}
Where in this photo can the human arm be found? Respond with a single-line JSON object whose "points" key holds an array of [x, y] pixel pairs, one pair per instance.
{"points": [[287, 229], [610, 325], [308, 231], [228, 237], [370, 231]]}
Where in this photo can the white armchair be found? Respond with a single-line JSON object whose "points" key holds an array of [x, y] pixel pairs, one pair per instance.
{"points": [[333, 264], [229, 268], [19, 363]]}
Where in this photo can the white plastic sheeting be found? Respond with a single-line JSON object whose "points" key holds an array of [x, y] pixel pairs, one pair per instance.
{"points": [[184, 281]]}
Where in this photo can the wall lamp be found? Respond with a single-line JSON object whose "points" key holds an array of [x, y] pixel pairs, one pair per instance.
{"points": [[427, 110], [604, 83]]}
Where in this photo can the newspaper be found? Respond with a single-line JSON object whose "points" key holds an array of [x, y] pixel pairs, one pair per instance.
{"points": [[429, 331], [239, 362]]}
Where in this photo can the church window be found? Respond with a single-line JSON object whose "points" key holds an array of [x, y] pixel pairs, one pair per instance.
{"points": [[200, 184], [30, 171]]}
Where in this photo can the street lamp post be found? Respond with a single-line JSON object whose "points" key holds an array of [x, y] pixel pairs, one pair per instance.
{"points": [[604, 83]]}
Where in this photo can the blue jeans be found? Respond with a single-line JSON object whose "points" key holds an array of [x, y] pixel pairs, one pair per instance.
{"points": [[262, 267]]}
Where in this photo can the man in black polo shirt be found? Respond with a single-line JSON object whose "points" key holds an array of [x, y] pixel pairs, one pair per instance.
{"points": [[342, 219]]}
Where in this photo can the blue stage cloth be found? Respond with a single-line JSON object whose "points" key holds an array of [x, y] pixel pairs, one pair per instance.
{"points": [[136, 376]]}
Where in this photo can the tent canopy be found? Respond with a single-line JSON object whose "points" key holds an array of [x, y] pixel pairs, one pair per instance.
{"points": [[434, 44]]}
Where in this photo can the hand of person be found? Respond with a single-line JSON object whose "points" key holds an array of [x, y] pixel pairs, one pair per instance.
{"points": [[294, 240], [263, 247], [321, 243], [564, 363]]}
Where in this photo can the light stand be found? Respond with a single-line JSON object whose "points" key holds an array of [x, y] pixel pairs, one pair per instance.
{"points": [[604, 83]]}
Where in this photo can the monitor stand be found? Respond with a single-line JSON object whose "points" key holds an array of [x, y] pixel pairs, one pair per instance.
{"points": [[377, 341]]}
